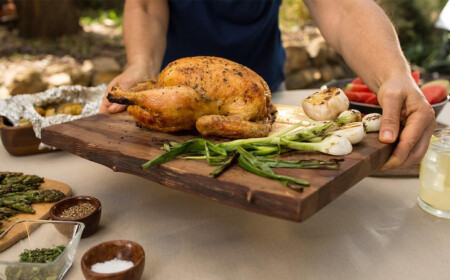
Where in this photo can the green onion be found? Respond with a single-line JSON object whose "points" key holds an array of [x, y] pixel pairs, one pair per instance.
{"points": [[257, 155], [301, 163], [246, 164], [372, 122], [219, 170], [191, 146], [332, 145], [348, 116]]}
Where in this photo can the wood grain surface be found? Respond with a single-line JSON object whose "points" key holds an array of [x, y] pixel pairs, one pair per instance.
{"points": [[42, 213], [115, 141]]}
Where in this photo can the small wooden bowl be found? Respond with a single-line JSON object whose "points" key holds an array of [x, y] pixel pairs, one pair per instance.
{"points": [[20, 141], [90, 221], [121, 249]]}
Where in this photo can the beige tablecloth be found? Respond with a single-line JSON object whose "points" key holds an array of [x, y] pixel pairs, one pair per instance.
{"points": [[373, 231]]}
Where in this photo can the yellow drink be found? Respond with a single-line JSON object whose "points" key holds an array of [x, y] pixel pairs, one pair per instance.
{"points": [[434, 190]]}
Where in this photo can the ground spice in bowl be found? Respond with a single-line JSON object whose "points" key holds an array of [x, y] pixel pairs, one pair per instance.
{"points": [[78, 211], [112, 266]]}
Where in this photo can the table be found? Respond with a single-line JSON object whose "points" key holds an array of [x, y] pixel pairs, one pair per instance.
{"points": [[373, 231]]}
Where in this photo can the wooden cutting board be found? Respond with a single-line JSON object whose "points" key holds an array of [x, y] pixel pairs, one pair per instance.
{"points": [[42, 213], [115, 141]]}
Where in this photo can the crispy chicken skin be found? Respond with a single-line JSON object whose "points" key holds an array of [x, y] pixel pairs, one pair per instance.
{"points": [[215, 95]]}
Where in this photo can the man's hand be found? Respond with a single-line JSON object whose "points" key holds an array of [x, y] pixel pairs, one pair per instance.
{"points": [[145, 25], [402, 100], [131, 76]]}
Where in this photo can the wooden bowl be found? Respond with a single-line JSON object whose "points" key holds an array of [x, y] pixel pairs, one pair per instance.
{"points": [[121, 249], [90, 221], [20, 141]]}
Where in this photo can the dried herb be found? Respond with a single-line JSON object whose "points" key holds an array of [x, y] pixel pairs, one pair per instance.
{"points": [[43, 255]]}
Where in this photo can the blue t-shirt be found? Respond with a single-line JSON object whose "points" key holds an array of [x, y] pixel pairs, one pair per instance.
{"points": [[244, 31]]}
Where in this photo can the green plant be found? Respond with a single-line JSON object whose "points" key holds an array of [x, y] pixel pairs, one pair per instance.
{"points": [[91, 16], [413, 19]]}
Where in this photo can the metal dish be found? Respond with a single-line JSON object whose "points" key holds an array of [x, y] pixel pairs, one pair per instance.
{"points": [[368, 108]]}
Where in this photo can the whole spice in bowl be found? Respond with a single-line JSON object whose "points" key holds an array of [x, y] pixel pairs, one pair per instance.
{"points": [[85, 209], [78, 211]]}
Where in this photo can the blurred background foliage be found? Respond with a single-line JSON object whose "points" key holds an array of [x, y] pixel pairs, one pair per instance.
{"points": [[101, 11], [111, 17], [49, 43], [414, 20]]}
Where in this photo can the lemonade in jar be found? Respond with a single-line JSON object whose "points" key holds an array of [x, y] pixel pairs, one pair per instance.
{"points": [[434, 177]]}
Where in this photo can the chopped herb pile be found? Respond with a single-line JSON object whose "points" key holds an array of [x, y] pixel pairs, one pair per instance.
{"points": [[44, 255]]}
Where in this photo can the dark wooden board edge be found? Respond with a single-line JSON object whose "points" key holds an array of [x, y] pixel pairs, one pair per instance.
{"points": [[233, 194], [119, 162]]}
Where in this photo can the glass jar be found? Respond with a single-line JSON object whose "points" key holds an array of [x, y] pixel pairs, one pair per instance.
{"points": [[434, 177]]}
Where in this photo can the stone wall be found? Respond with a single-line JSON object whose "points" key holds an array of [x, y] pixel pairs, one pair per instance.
{"points": [[36, 75], [312, 64]]}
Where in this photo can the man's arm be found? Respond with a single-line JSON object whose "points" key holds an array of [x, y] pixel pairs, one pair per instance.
{"points": [[361, 32], [145, 27]]}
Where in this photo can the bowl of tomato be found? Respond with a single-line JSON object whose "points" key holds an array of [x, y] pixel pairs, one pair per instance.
{"points": [[364, 100]]}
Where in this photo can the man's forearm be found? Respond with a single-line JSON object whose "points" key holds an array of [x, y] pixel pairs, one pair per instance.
{"points": [[361, 32], [144, 32]]}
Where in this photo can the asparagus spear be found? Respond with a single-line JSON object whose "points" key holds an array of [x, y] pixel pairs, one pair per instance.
{"points": [[6, 212], [34, 196], [18, 205], [10, 174], [11, 188], [23, 179], [6, 174]]}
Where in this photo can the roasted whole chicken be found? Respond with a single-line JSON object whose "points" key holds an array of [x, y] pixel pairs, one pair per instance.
{"points": [[215, 95]]}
